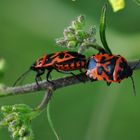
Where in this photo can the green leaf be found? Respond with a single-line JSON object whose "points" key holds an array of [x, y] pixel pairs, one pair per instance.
{"points": [[102, 29], [117, 4]]}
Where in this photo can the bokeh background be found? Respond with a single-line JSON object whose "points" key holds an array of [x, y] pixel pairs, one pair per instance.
{"points": [[91, 111]]}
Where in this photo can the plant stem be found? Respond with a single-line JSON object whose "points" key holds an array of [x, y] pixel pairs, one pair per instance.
{"points": [[45, 100], [44, 85], [50, 122]]}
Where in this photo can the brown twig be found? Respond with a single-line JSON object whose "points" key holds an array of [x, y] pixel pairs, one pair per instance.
{"points": [[44, 85], [45, 100], [58, 83]]}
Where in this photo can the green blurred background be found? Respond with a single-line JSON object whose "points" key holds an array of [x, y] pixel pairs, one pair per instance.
{"points": [[91, 111]]}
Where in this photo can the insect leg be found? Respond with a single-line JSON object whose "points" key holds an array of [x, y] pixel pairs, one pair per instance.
{"points": [[48, 75], [84, 75], [80, 78], [69, 72], [81, 70], [108, 83], [38, 78]]}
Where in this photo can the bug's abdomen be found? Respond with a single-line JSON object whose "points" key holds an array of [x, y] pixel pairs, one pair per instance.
{"points": [[70, 65]]}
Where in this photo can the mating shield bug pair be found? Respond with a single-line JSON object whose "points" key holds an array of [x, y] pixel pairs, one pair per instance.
{"points": [[102, 66]]}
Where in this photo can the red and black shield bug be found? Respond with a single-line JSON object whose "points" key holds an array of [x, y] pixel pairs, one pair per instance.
{"points": [[63, 62], [105, 65], [109, 67]]}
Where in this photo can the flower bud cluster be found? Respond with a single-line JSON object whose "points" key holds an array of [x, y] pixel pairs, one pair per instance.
{"points": [[76, 36], [17, 119]]}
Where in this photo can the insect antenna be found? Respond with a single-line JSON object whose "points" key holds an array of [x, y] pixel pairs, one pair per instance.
{"points": [[134, 89], [22, 76]]}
